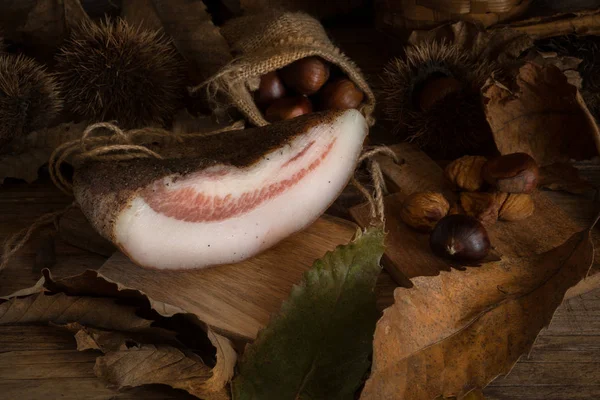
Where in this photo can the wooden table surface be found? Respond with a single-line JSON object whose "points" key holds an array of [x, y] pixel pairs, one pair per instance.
{"points": [[38, 362]]}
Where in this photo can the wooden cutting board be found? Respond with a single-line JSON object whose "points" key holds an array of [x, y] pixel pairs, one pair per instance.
{"points": [[408, 252], [236, 299]]}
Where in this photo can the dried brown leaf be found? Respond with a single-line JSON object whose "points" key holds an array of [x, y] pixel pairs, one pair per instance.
{"points": [[49, 22], [31, 152], [223, 371], [546, 117], [89, 338], [195, 35], [62, 309], [23, 166], [135, 365], [92, 283], [140, 13], [565, 177], [54, 136], [456, 332]]}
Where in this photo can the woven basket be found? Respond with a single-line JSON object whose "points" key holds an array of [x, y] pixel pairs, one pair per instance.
{"points": [[407, 15]]}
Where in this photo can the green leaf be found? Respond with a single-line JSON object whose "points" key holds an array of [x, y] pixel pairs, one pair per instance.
{"points": [[318, 345]]}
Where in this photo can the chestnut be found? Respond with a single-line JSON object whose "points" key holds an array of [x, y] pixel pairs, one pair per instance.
{"points": [[422, 210], [288, 108], [436, 89], [460, 238], [306, 76], [270, 89], [341, 94], [512, 173]]}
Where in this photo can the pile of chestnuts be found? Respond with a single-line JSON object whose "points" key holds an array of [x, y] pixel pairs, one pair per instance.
{"points": [[304, 86], [499, 188]]}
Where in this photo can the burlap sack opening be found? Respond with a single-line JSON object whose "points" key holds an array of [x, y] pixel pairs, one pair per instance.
{"points": [[269, 41]]}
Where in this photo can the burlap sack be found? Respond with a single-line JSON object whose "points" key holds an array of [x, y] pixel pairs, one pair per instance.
{"points": [[269, 41]]}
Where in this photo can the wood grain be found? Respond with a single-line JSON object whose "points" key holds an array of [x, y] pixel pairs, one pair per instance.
{"points": [[40, 363], [236, 299]]}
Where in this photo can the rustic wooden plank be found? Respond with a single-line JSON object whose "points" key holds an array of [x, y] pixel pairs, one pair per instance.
{"points": [[41, 362], [567, 357], [33, 337], [542, 393], [83, 388], [567, 343], [552, 374], [575, 323], [237, 299]]}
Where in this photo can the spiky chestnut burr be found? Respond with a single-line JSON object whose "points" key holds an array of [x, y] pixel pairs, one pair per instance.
{"points": [[114, 71], [432, 96], [29, 97]]}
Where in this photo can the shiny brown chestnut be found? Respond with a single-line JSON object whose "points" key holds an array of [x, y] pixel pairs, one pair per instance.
{"points": [[306, 76], [288, 108], [271, 88], [341, 94], [512, 173], [460, 238]]}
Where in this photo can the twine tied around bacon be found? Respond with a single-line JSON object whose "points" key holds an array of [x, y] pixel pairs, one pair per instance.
{"points": [[114, 144], [375, 200]]}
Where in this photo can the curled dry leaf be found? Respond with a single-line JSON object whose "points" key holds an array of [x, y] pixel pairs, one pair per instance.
{"points": [[23, 166], [33, 151], [142, 364], [140, 13], [131, 361], [49, 22], [456, 332], [62, 309], [195, 35], [545, 117], [565, 177]]}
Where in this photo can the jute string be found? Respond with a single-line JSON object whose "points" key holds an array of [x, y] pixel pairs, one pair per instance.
{"points": [[115, 145], [375, 200]]}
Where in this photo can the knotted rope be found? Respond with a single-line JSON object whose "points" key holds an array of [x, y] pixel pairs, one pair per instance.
{"points": [[114, 144], [375, 200]]}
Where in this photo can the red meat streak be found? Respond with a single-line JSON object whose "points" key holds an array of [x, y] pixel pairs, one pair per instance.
{"points": [[187, 204]]}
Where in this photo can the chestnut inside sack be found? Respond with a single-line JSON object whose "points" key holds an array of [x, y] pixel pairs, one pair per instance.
{"points": [[222, 198]]}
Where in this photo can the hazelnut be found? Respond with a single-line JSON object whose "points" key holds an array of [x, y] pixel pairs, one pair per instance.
{"points": [[483, 206], [307, 75], [270, 89], [341, 95], [512, 173], [288, 108], [465, 172], [423, 210], [517, 206], [460, 237], [436, 89]]}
